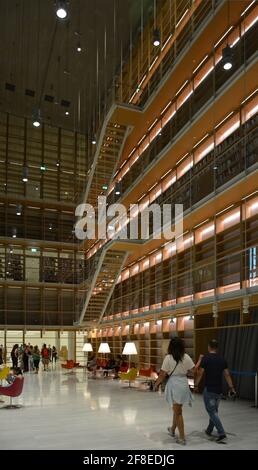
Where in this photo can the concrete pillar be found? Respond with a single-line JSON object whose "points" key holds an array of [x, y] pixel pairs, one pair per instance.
{"points": [[71, 344], [57, 343]]}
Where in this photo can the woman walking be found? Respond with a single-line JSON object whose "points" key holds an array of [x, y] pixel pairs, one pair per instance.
{"points": [[176, 365]]}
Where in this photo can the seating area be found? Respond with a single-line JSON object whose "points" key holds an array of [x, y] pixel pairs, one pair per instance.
{"points": [[14, 390], [3, 373], [148, 372], [70, 364], [129, 376]]}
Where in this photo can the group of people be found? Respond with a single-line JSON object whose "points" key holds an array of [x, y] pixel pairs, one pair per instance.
{"points": [[28, 357], [175, 369], [112, 364]]}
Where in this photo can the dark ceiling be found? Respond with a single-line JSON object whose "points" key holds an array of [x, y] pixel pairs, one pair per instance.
{"points": [[39, 63]]}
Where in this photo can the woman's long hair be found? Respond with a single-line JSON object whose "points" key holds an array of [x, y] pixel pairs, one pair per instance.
{"points": [[177, 349]]}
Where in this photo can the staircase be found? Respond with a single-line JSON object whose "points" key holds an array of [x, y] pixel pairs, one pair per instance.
{"points": [[107, 155], [101, 285]]}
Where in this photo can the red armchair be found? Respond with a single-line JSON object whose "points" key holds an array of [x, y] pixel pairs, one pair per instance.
{"points": [[102, 363], [12, 391], [147, 372], [70, 364]]}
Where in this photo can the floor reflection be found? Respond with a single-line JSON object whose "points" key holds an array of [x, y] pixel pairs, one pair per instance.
{"points": [[129, 415]]}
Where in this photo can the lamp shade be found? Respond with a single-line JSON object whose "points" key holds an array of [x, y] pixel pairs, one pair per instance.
{"points": [[87, 347], [129, 348], [104, 348]]}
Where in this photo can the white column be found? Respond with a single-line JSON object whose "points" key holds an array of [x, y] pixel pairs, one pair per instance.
{"points": [[71, 345]]}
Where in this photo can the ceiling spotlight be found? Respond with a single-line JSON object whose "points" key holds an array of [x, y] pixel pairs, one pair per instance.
{"points": [[117, 189], [94, 141], [36, 119], [14, 233], [25, 174], [67, 113], [33, 250], [50, 227], [43, 167], [227, 58], [104, 186], [79, 47], [61, 9], [19, 209], [57, 164], [36, 188], [156, 37], [11, 250]]}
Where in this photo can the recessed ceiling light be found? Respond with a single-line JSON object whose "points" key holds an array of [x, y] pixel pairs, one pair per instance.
{"points": [[67, 113]]}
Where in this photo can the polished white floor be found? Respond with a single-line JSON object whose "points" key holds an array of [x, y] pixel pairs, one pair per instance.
{"points": [[71, 411]]}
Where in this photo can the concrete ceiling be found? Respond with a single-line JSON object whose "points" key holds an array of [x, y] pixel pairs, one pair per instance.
{"points": [[38, 54]]}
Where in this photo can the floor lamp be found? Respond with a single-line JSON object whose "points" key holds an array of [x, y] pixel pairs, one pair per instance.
{"points": [[87, 347], [129, 350], [104, 348]]}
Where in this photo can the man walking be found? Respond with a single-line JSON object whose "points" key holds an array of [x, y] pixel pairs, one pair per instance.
{"points": [[213, 367]]}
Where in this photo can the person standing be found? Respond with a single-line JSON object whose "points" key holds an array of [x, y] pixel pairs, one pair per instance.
{"points": [[3, 353], [213, 367], [14, 355], [45, 356], [176, 365], [36, 358], [54, 355], [1, 356]]}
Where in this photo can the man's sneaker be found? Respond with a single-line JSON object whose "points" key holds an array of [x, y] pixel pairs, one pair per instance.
{"points": [[209, 434], [182, 442], [222, 439], [170, 432]]}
